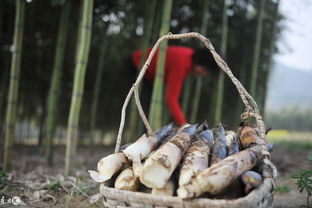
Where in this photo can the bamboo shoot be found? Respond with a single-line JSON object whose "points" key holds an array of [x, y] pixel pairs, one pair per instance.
{"points": [[108, 166], [270, 147], [233, 148], [143, 147], [146, 144], [183, 127], [160, 166], [167, 190], [196, 157], [229, 136], [252, 180], [219, 147], [127, 181], [216, 178], [248, 135]]}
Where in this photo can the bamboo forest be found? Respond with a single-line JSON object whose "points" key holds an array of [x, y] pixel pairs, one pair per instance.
{"points": [[168, 103]]}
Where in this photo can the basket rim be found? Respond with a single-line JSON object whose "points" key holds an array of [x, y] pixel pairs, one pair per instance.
{"points": [[252, 198]]}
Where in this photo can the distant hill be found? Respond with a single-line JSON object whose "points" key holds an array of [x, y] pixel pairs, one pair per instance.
{"points": [[289, 87]]}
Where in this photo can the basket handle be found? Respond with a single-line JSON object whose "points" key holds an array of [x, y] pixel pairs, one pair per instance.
{"points": [[251, 107]]}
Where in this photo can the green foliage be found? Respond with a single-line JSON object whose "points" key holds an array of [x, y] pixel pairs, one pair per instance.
{"points": [[83, 188], [121, 21], [295, 144], [290, 119], [54, 185], [304, 181], [282, 189]]}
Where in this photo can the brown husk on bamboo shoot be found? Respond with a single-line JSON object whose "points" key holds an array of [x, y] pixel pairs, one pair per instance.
{"points": [[219, 176], [127, 181], [140, 149], [235, 189], [159, 167], [196, 157], [248, 135]]}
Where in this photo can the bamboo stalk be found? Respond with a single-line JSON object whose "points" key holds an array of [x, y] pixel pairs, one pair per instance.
{"points": [[54, 91], [148, 26], [216, 178], [3, 92], [3, 78], [186, 94], [97, 87], [220, 84], [78, 40], [77, 94], [199, 81], [257, 48], [196, 99], [14, 83], [155, 113]]}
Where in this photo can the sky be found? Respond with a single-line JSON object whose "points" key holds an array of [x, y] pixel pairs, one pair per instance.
{"points": [[295, 45]]}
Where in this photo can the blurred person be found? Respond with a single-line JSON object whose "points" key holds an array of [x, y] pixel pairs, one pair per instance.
{"points": [[180, 62]]}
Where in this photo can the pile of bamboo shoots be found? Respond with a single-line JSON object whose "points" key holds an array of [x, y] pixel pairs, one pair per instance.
{"points": [[187, 162]]}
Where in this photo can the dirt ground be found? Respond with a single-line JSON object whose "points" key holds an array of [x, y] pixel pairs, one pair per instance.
{"points": [[41, 186]]}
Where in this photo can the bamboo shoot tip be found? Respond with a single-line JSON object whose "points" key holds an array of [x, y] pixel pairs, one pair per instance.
{"points": [[190, 129]]}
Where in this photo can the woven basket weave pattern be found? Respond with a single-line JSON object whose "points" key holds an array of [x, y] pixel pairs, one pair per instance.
{"points": [[261, 197]]}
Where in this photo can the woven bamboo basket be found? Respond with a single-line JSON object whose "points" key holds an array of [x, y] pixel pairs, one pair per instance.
{"points": [[260, 197]]}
